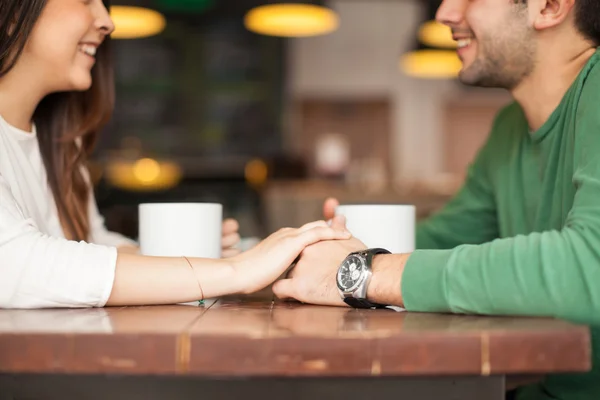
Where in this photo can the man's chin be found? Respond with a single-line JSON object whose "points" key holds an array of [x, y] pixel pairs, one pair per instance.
{"points": [[468, 77]]}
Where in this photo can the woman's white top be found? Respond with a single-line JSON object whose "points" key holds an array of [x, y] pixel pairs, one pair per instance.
{"points": [[39, 268]]}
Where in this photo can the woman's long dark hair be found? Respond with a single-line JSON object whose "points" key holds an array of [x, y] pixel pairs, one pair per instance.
{"points": [[67, 123]]}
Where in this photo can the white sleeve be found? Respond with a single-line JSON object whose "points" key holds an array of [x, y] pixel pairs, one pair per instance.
{"points": [[39, 271], [98, 232]]}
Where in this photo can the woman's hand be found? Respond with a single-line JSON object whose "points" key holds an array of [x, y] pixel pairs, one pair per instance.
{"points": [[230, 238], [260, 266]]}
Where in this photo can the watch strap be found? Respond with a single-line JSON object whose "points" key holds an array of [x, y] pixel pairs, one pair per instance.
{"points": [[374, 251], [361, 303], [370, 253]]}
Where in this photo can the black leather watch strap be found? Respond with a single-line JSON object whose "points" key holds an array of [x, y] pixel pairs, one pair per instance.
{"points": [[361, 303], [376, 251]]}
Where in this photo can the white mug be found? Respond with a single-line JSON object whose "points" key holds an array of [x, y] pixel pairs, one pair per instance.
{"points": [[391, 227], [181, 229]]}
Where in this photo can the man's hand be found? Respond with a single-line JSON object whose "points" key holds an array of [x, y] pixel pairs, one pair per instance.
{"points": [[230, 238], [313, 279]]}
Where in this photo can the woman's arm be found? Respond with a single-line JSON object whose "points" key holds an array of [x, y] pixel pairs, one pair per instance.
{"points": [[165, 280], [39, 271]]}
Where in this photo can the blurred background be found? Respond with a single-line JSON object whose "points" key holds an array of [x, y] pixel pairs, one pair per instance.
{"points": [[268, 107]]}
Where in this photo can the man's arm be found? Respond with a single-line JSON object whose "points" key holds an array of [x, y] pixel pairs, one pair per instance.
{"points": [[386, 279], [543, 274], [551, 273]]}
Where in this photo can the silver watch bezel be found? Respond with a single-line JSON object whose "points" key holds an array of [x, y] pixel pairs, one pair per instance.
{"points": [[358, 290]]}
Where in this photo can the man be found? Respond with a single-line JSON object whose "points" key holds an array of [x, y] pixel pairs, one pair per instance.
{"points": [[522, 237]]}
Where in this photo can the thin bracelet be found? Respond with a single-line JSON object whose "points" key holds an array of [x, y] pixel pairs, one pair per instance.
{"points": [[197, 280]]}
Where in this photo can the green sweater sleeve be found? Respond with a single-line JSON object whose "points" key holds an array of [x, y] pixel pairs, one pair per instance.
{"points": [[550, 273]]}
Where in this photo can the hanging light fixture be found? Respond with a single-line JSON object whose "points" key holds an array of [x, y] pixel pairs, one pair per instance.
{"points": [[136, 22], [292, 18], [434, 34], [430, 63], [434, 57]]}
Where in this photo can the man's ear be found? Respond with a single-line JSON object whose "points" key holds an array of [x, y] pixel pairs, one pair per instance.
{"points": [[550, 13]]}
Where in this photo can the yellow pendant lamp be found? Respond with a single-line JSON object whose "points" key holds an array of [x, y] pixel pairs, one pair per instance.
{"points": [[430, 63], [435, 55], [136, 22], [292, 18], [435, 34]]}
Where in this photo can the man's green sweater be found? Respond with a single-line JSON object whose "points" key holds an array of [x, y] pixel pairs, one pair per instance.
{"points": [[522, 237]]}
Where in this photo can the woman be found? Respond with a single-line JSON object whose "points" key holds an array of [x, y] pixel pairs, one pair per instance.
{"points": [[55, 95]]}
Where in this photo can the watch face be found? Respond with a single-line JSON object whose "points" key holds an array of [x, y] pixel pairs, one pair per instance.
{"points": [[350, 273]]}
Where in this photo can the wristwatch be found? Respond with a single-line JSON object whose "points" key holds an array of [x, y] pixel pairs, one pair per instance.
{"points": [[354, 275]]}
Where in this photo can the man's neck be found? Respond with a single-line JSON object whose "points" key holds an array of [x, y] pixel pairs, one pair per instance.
{"points": [[541, 92]]}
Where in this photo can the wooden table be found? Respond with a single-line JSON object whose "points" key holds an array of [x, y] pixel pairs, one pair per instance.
{"points": [[263, 349]]}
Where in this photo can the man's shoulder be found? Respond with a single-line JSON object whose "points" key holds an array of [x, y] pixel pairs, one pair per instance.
{"points": [[590, 91], [586, 108]]}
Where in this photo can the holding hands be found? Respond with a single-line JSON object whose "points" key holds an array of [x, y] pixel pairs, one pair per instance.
{"points": [[258, 267]]}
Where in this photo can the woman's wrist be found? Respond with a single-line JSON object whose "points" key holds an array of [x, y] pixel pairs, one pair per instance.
{"points": [[217, 278]]}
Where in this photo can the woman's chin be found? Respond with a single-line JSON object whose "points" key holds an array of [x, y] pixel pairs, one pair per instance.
{"points": [[81, 82]]}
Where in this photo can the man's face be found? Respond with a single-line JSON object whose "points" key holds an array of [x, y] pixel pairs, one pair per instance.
{"points": [[495, 40]]}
